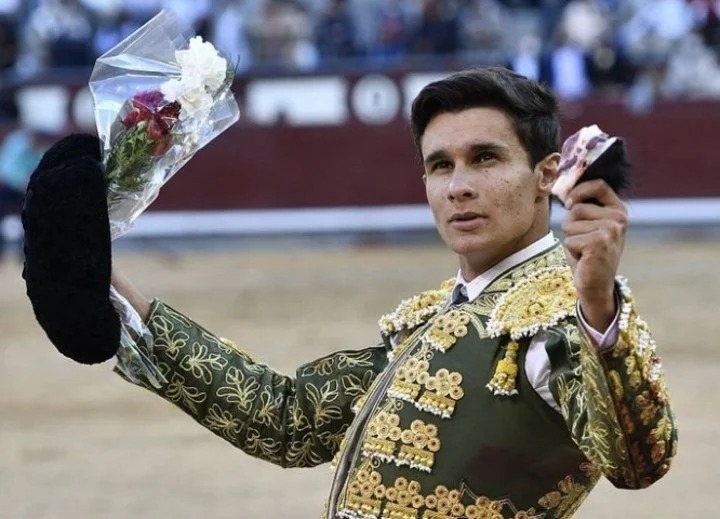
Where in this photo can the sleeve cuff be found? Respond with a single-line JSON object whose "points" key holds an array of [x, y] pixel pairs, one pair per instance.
{"points": [[603, 341]]}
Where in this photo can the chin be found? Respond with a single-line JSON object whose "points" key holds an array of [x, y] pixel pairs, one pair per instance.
{"points": [[469, 245]]}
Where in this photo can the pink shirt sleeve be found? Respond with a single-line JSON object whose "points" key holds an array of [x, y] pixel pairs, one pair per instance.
{"points": [[603, 341]]}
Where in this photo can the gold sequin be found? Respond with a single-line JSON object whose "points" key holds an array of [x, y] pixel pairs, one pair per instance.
{"points": [[416, 447], [446, 330], [441, 391]]}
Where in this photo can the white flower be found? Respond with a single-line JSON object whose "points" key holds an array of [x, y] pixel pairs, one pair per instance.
{"points": [[202, 72], [172, 90], [201, 64], [195, 103]]}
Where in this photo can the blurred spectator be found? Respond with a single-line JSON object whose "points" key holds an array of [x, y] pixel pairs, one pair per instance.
{"points": [[551, 13], [192, 13], [438, 30], [393, 31], [8, 59], [336, 32], [568, 72], [482, 23], [8, 43], [282, 35], [59, 33], [9, 8], [584, 24], [707, 13], [693, 71], [137, 12], [111, 27], [607, 45], [20, 153], [653, 28], [227, 32], [527, 61]]}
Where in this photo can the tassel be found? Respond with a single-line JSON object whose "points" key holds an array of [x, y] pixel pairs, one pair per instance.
{"points": [[503, 381]]}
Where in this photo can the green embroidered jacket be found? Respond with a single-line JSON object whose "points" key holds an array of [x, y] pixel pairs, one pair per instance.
{"points": [[411, 424]]}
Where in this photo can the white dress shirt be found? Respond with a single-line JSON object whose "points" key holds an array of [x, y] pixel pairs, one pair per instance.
{"points": [[537, 362]]}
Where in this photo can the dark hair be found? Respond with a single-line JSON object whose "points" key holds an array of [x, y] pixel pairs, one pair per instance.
{"points": [[531, 107]]}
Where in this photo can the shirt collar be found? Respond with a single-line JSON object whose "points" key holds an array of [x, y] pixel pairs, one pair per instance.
{"points": [[476, 286]]}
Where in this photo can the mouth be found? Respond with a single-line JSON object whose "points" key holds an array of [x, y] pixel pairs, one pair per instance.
{"points": [[467, 221], [465, 217]]}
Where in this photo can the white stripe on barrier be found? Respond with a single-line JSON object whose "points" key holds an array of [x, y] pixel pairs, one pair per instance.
{"points": [[643, 213]]}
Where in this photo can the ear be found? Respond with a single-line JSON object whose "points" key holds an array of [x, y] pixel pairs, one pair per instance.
{"points": [[546, 172], [425, 179]]}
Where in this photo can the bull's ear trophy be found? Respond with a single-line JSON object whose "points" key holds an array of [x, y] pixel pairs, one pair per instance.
{"points": [[592, 154]]}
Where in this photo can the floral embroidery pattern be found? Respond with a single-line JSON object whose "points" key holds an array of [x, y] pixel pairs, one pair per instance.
{"points": [[534, 303], [291, 422]]}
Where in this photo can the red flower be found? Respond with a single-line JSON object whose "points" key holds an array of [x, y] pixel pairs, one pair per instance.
{"points": [[131, 119], [161, 146], [156, 129], [161, 117], [170, 110], [150, 100]]}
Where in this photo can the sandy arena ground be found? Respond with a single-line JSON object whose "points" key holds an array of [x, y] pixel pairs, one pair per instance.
{"points": [[77, 442]]}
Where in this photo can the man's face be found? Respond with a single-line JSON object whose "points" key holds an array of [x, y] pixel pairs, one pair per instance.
{"points": [[487, 201]]}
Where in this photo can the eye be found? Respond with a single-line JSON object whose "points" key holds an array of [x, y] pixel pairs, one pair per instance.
{"points": [[440, 165], [485, 156]]}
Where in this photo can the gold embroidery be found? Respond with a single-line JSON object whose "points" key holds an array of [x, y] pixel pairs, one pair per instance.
{"points": [[441, 393], [338, 361], [635, 337], [553, 258], [321, 398], [443, 390], [566, 499], [239, 389], [369, 498], [503, 381], [357, 387], [180, 392], [536, 302], [230, 347], [173, 342], [416, 310], [222, 422], [597, 423], [202, 363], [406, 383], [446, 330], [418, 444]]}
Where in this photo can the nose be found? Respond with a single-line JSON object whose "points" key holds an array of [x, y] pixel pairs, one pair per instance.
{"points": [[461, 187]]}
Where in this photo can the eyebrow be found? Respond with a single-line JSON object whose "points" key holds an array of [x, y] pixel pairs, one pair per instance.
{"points": [[474, 148]]}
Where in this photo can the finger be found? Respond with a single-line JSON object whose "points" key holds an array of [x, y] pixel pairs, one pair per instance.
{"points": [[573, 227], [575, 245], [596, 189], [596, 212], [608, 237]]}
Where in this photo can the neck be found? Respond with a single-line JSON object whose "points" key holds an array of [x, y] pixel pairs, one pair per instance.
{"points": [[472, 266]]}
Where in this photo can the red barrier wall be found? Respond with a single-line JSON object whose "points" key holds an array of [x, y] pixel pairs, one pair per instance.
{"points": [[274, 161], [675, 150]]}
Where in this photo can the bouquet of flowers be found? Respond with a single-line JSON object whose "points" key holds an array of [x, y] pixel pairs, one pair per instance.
{"points": [[160, 96]]}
